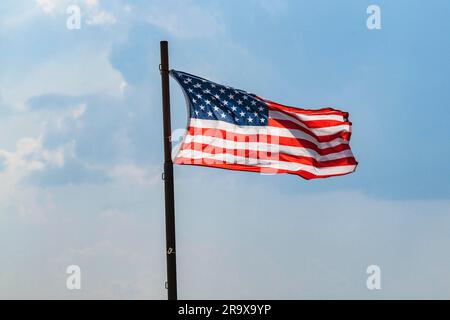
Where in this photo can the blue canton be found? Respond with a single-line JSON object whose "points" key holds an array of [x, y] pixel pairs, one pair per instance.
{"points": [[212, 101]]}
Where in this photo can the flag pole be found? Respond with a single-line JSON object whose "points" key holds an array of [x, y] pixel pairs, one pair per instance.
{"points": [[171, 283]]}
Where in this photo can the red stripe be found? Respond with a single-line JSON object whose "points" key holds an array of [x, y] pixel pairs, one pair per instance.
{"points": [[240, 167], [269, 155], [285, 141], [323, 123], [323, 111], [316, 124], [287, 124]]}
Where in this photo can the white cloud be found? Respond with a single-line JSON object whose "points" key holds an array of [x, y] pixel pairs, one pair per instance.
{"points": [[34, 207], [47, 6], [127, 8], [135, 175], [79, 111], [101, 18], [116, 248], [123, 87], [24, 12], [17, 19], [91, 3], [184, 19], [29, 156], [82, 72], [96, 16], [318, 248], [273, 7], [19, 16]]}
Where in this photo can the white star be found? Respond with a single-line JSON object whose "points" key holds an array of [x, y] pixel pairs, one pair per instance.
{"points": [[196, 112], [210, 114], [194, 101], [247, 108], [242, 113], [216, 108], [217, 96], [225, 102], [189, 80], [236, 119], [213, 85], [190, 90], [261, 109], [202, 107], [262, 120], [199, 96], [253, 102], [245, 97], [231, 96], [233, 108], [222, 91], [250, 119], [207, 91], [239, 102], [223, 115], [207, 101], [198, 85], [255, 113]]}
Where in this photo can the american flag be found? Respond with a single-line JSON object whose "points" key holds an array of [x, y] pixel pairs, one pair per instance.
{"points": [[232, 129]]}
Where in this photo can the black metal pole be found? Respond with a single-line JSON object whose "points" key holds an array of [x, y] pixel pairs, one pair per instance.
{"points": [[168, 177]]}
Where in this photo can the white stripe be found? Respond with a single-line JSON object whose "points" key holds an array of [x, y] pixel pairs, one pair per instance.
{"points": [[280, 165], [265, 147], [307, 117], [317, 131], [265, 130]]}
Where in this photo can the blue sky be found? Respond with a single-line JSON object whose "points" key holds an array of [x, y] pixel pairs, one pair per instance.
{"points": [[81, 150]]}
